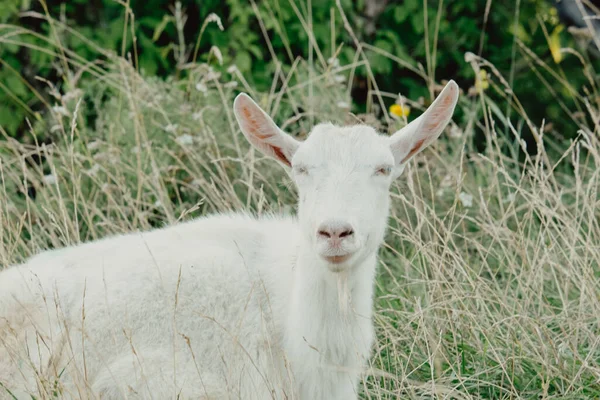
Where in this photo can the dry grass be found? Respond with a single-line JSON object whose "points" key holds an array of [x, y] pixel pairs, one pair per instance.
{"points": [[494, 299]]}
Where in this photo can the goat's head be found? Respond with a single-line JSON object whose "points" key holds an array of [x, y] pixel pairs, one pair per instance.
{"points": [[343, 174]]}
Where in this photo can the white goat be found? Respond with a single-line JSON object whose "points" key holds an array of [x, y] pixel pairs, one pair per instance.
{"points": [[227, 306]]}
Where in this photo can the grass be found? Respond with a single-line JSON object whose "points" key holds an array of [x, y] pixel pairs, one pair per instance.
{"points": [[488, 281]]}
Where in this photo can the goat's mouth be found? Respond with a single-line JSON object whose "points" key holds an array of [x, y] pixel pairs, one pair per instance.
{"points": [[337, 259]]}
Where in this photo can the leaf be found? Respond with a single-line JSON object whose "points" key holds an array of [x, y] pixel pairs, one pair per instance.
{"points": [[16, 86], [10, 119], [520, 32], [7, 11], [406, 9], [243, 61], [380, 63], [497, 112], [418, 23], [165, 50], [554, 44], [401, 14], [256, 51], [10, 48]]}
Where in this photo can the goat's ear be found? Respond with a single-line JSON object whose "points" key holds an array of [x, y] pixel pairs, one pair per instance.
{"points": [[261, 131], [421, 132]]}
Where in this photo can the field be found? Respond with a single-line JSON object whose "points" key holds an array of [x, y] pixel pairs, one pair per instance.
{"points": [[488, 283]]}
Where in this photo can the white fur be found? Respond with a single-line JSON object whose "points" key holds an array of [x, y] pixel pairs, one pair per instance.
{"points": [[227, 306]]}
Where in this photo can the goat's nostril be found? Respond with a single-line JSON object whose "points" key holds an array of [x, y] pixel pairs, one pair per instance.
{"points": [[324, 233], [347, 232]]}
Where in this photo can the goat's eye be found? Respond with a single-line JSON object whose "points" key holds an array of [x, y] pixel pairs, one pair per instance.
{"points": [[301, 170], [383, 170]]}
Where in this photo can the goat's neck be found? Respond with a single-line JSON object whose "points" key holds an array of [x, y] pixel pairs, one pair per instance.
{"points": [[321, 296], [329, 324]]}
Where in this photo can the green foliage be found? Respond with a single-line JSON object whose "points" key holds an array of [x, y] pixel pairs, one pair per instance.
{"points": [[265, 37]]}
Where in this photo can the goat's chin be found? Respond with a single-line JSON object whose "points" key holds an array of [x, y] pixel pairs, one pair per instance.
{"points": [[337, 268], [339, 263]]}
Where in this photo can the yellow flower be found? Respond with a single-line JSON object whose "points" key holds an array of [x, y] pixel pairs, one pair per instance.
{"points": [[399, 111], [482, 81], [554, 44]]}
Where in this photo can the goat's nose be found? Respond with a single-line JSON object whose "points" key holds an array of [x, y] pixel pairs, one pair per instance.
{"points": [[335, 230]]}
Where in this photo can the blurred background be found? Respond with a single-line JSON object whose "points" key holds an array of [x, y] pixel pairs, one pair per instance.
{"points": [[414, 45]]}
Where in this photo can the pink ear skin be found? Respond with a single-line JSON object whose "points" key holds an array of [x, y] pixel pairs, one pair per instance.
{"points": [[417, 135], [252, 124], [261, 131], [413, 151]]}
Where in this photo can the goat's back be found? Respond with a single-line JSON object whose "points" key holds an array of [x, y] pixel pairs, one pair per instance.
{"points": [[181, 299]]}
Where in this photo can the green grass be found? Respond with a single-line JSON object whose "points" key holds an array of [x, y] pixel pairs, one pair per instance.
{"points": [[498, 299]]}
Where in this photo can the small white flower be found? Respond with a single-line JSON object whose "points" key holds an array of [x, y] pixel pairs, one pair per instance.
{"points": [[50, 179], [93, 145], [339, 78], [334, 62], [171, 128], [157, 204], [444, 185], [466, 199], [196, 183], [455, 132], [231, 70], [201, 87], [212, 17], [185, 140], [54, 93], [343, 104], [446, 182], [564, 350], [94, 170], [510, 198], [217, 52], [73, 94], [212, 74], [61, 110], [11, 208], [231, 85]]}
